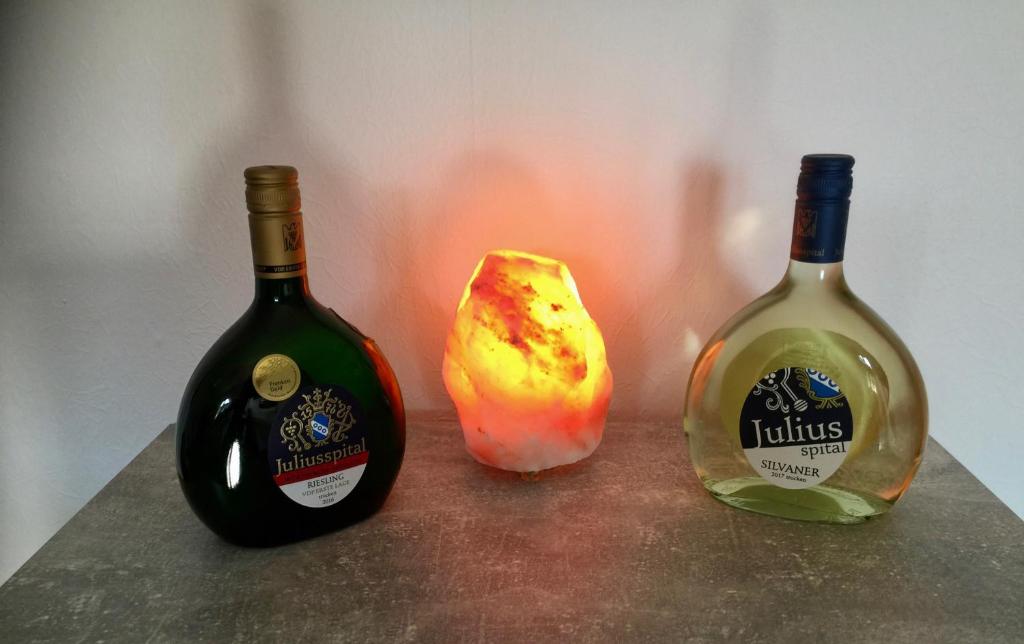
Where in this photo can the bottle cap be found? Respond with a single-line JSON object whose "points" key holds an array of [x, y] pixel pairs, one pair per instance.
{"points": [[272, 189], [825, 177]]}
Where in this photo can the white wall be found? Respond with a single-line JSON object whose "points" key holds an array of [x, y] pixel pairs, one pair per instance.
{"points": [[654, 146]]}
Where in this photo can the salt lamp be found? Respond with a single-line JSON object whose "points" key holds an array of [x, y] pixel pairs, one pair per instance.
{"points": [[525, 365]]}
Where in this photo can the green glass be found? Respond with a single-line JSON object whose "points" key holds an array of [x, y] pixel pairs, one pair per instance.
{"points": [[225, 427]]}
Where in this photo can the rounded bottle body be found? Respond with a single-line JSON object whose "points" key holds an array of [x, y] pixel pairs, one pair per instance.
{"points": [[805, 404], [809, 328], [231, 451]]}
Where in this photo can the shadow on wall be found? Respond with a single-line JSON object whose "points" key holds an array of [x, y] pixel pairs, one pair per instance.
{"points": [[362, 241], [701, 292], [268, 132], [394, 264], [702, 289], [654, 323], [336, 203], [489, 199]]}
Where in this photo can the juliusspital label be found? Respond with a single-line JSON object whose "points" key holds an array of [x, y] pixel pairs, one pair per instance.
{"points": [[317, 446], [796, 427]]}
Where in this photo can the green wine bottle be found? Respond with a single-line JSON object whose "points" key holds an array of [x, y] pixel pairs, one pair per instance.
{"points": [[292, 424]]}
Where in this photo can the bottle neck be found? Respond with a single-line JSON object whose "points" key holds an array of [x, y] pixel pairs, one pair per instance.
{"points": [[291, 289], [815, 275], [819, 231], [819, 222], [819, 240], [278, 256]]}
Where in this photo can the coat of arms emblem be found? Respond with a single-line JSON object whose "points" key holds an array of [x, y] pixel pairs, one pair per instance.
{"points": [[292, 236], [320, 419]]}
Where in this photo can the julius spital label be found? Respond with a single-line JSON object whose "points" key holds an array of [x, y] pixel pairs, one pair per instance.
{"points": [[796, 427], [317, 447]]}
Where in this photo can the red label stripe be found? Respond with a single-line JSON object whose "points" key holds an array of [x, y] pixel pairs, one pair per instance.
{"points": [[322, 469]]}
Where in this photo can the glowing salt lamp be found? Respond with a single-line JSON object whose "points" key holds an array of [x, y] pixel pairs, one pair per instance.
{"points": [[525, 365]]}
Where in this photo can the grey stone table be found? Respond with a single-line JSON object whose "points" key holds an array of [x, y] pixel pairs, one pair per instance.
{"points": [[624, 546]]}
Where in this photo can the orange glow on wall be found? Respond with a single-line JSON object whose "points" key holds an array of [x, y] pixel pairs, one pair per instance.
{"points": [[526, 366]]}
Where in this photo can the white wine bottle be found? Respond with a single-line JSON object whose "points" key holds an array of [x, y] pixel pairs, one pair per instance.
{"points": [[805, 404]]}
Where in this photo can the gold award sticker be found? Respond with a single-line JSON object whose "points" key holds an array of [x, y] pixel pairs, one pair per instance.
{"points": [[276, 377]]}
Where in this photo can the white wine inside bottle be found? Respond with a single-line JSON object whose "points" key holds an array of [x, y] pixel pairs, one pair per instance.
{"points": [[805, 404]]}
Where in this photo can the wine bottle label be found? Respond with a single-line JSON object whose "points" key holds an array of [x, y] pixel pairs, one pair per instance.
{"points": [[278, 247], [317, 446], [796, 427], [276, 377]]}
